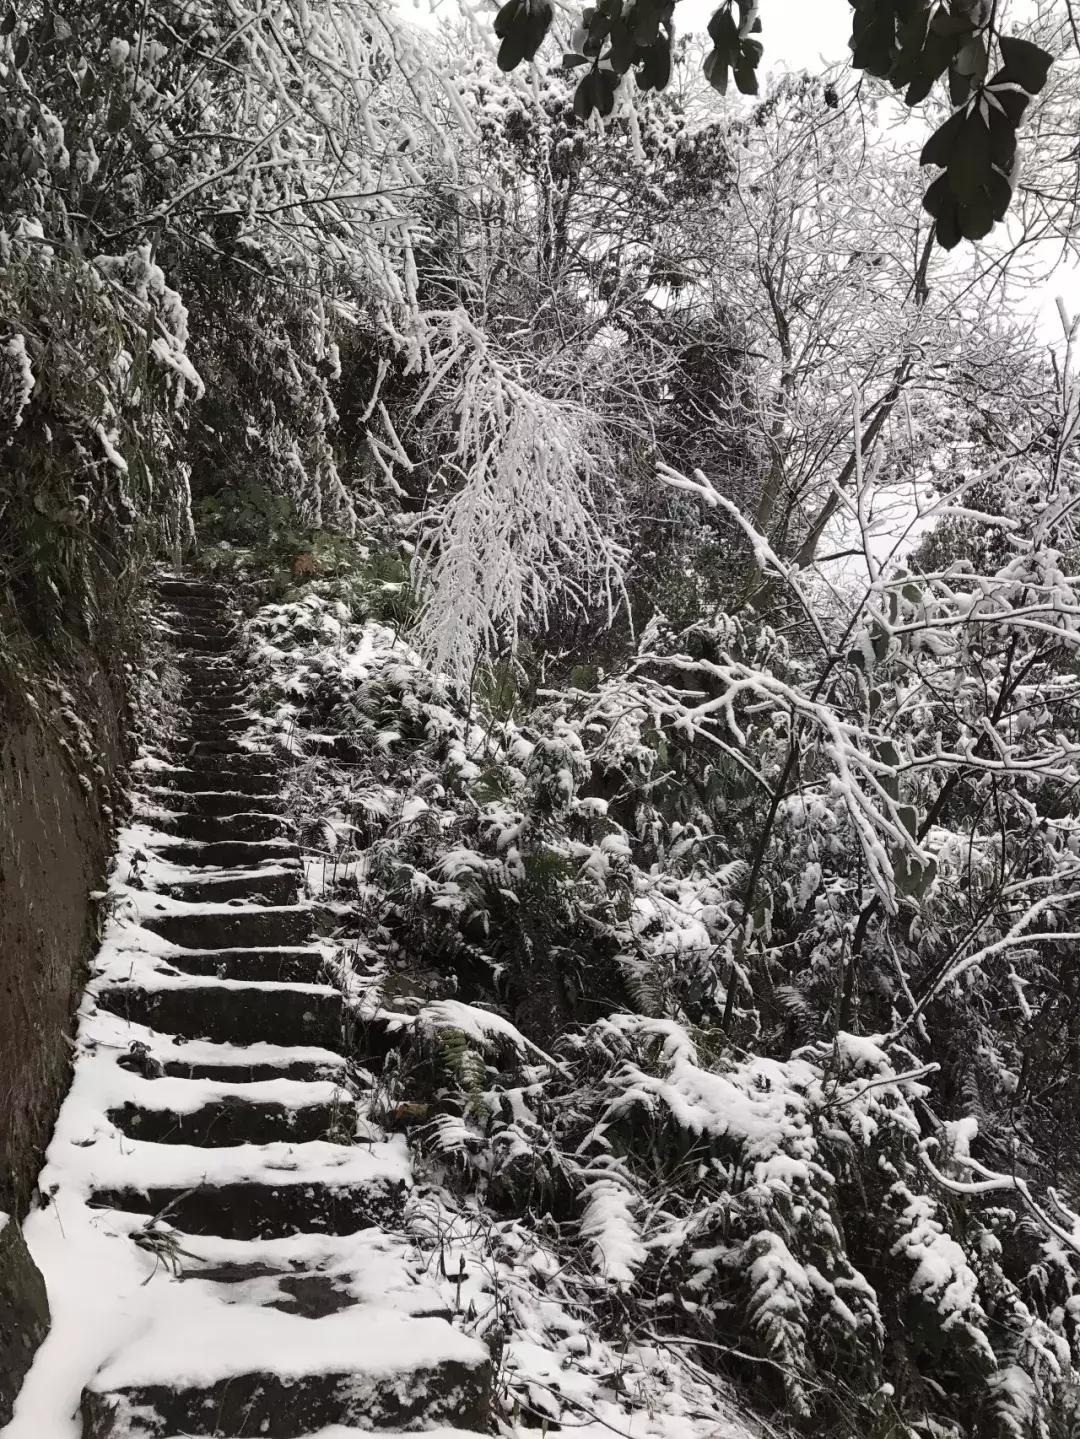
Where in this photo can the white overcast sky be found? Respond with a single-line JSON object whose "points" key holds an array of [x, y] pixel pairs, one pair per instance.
{"points": [[798, 34]]}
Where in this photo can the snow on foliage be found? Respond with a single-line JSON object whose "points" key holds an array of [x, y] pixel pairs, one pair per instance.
{"points": [[608, 1224], [526, 477], [721, 903], [775, 1196]]}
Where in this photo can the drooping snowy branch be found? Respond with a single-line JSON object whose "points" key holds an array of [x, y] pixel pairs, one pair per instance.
{"points": [[521, 517]]}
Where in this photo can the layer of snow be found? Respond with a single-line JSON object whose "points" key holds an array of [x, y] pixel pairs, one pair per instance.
{"points": [[117, 1307], [195, 1339]]}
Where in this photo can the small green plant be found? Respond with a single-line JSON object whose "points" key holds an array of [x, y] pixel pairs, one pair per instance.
{"points": [[466, 1068]]}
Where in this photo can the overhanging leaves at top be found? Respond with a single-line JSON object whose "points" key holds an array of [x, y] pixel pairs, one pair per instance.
{"points": [[912, 44]]}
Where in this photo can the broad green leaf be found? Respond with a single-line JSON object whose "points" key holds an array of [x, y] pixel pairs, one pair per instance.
{"points": [[716, 69], [976, 216], [512, 49], [654, 70], [584, 103], [508, 17], [723, 31], [969, 162], [1026, 64], [1002, 140], [971, 58], [623, 47], [746, 78], [1003, 95]]}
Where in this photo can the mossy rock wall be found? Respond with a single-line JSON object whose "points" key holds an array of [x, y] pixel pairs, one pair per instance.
{"points": [[56, 823], [24, 1313]]}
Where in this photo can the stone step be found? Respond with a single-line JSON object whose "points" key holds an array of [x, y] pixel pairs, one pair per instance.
{"points": [[213, 726], [227, 756], [273, 927], [233, 1012], [197, 687], [192, 603], [259, 1370], [272, 888], [225, 720], [315, 1276], [216, 779], [183, 614], [215, 802], [238, 1070], [209, 639], [198, 594], [221, 703], [203, 668], [191, 663], [210, 829], [190, 616], [208, 674], [274, 966], [184, 587], [233, 701], [244, 1210], [207, 751], [355, 1432], [241, 854], [227, 714], [227, 1122], [180, 615]]}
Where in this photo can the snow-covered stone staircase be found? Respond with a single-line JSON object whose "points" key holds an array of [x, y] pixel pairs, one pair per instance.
{"points": [[217, 1221]]}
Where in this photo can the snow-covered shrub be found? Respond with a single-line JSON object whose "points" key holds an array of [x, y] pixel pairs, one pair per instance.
{"points": [[549, 908], [90, 481]]}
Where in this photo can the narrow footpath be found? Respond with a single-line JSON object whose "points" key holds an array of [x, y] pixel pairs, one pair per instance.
{"points": [[218, 1218]]}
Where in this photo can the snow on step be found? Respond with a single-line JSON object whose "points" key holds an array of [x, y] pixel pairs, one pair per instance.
{"points": [[111, 1038], [209, 1240], [211, 828], [206, 1367], [273, 885], [159, 858], [282, 964], [216, 1113], [184, 779], [369, 1267], [92, 1162], [112, 1085], [192, 854], [107, 1039], [342, 1431], [214, 803], [223, 926], [259, 1191], [137, 981], [231, 1011], [236, 1120]]}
